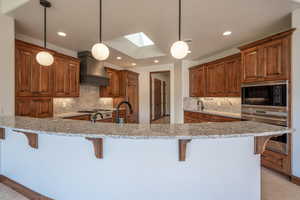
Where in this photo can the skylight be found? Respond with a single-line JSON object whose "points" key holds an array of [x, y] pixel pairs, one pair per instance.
{"points": [[139, 39]]}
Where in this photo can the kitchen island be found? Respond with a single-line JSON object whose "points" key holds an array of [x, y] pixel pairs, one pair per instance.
{"points": [[66, 159]]}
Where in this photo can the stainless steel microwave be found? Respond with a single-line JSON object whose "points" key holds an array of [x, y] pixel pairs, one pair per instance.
{"points": [[266, 94]]}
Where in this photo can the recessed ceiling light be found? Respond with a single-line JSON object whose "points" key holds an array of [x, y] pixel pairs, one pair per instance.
{"points": [[62, 34], [156, 61], [133, 64], [226, 33], [119, 58]]}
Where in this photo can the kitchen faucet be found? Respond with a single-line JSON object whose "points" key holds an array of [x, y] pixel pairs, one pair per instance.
{"points": [[94, 117], [118, 119], [202, 104]]}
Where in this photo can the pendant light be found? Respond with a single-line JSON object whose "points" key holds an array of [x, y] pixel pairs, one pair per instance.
{"points": [[179, 49], [100, 51], [44, 58]]}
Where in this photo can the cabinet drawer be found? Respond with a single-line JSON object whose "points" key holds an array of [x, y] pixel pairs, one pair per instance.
{"points": [[276, 161]]}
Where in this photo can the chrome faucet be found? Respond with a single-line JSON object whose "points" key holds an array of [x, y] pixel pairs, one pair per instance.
{"points": [[94, 117], [202, 105], [118, 119]]}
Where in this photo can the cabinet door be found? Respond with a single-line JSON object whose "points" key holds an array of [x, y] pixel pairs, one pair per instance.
{"points": [[197, 82], [233, 78], [42, 107], [252, 71], [73, 77], [133, 98], [23, 107], [41, 79], [24, 61], [272, 61], [60, 77], [113, 88], [216, 80]]}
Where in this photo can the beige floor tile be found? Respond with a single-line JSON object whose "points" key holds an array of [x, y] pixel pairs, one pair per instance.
{"points": [[8, 194]]}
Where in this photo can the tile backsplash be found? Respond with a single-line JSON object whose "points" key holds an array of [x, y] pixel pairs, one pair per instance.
{"points": [[222, 104], [89, 99]]}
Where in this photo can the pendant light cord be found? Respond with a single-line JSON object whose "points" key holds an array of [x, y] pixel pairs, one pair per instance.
{"points": [[179, 30], [45, 27], [100, 21]]}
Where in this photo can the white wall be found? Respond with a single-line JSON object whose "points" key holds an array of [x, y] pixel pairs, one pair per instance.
{"points": [[9, 5], [65, 168], [296, 93], [7, 70], [38, 42], [163, 77], [144, 89]]}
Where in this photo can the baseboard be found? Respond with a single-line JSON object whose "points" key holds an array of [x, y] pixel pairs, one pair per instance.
{"points": [[26, 192], [295, 180]]}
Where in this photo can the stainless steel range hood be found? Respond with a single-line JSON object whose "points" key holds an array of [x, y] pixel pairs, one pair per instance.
{"points": [[91, 71]]}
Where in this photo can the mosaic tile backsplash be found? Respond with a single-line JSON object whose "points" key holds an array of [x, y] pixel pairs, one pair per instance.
{"points": [[89, 99], [222, 104]]}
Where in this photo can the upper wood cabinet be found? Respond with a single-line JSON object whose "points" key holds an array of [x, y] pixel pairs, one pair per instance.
{"points": [[197, 82], [31, 78], [218, 78], [113, 88], [268, 59], [66, 77]]}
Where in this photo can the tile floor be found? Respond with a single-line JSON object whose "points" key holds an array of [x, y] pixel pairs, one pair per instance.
{"points": [[274, 187]]}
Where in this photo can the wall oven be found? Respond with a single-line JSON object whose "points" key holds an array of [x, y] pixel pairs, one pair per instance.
{"points": [[268, 103]]}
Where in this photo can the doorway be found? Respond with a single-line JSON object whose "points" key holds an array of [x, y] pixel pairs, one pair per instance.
{"points": [[160, 97]]}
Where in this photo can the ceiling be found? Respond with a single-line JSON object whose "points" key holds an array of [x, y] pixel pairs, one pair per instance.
{"points": [[204, 21]]}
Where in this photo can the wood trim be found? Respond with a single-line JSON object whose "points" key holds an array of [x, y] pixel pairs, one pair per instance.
{"points": [[267, 39], [98, 146], [2, 133], [33, 139], [296, 180], [26, 192], [260, 143], [182, 144]]}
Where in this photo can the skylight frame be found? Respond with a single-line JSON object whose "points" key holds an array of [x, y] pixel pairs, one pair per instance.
{"points": [[139, 39]]}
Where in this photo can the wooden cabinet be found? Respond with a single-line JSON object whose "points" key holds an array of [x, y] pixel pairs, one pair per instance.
{"points": [[66, 77], [32, 79], [216, 79], [129, 88], [113, 88], [233, 78], [276, 161], [197, 82], [39, 107], [220, 78], [36, 85], [267, 59], [196, 117]]}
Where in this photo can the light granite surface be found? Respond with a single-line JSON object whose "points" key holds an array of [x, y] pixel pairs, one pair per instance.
{"points": [[140, 131]]}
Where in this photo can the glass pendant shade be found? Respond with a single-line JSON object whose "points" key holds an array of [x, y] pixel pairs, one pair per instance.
{"points": [[44, 58], [179, 49], [100, 51]]}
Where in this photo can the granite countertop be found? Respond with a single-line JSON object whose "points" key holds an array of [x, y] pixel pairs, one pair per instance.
{"points": [[141, 131], [70, 114], [218, 113]]}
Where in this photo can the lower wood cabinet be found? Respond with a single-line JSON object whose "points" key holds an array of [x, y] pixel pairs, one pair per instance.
{"points": [[39, 107], [276, 161], [195, 117]]}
